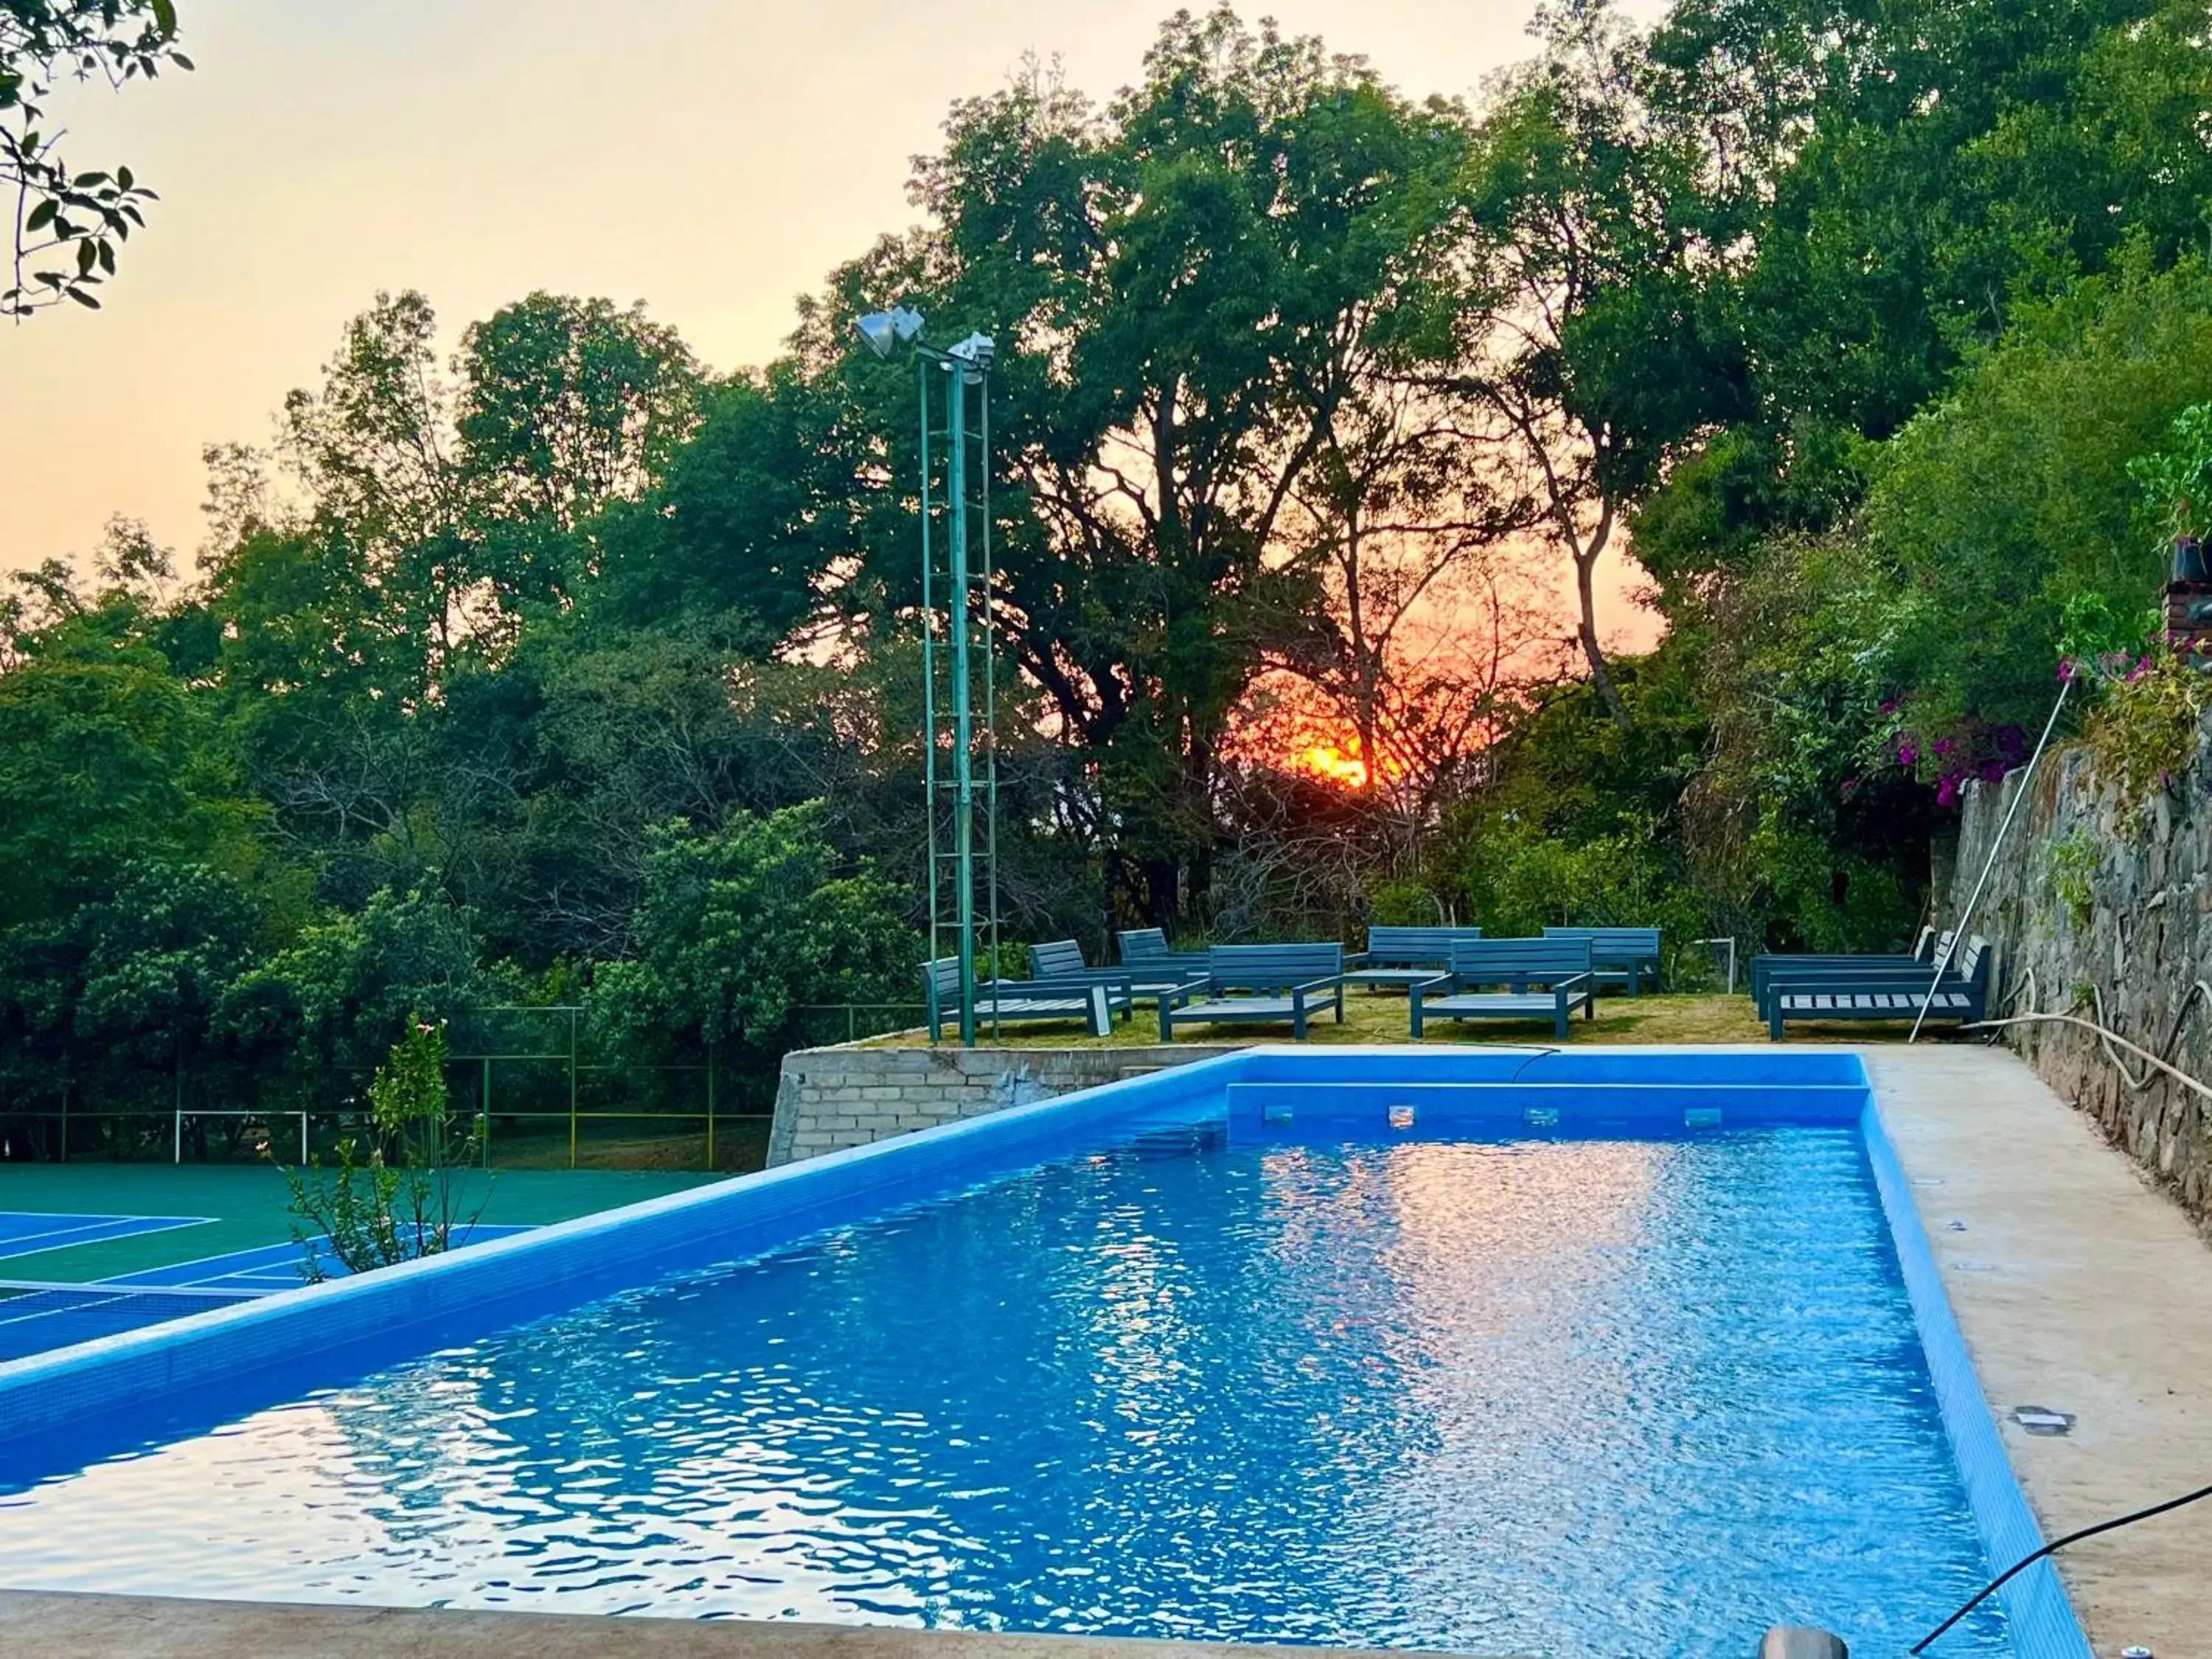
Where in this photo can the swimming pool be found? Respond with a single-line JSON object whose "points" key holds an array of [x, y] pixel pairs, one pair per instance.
{"points": [[1406, 1354]]}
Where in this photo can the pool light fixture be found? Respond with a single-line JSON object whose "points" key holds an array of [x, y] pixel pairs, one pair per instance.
{"points": [[1801, 1641]]}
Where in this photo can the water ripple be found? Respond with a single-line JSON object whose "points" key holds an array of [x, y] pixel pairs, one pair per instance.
{"points": [[1582, 1400]]}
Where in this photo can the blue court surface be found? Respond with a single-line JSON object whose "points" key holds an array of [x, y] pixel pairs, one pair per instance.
{"points": [[27, 1233], [36, 1317], [269, 1267]]}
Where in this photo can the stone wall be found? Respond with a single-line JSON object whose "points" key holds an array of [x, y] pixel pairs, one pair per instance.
{"points": [[828, 1099], [2093, 900]]}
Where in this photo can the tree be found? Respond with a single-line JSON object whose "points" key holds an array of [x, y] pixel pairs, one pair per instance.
{"points": [[569, 404], [1881, 185], [81, 217], [1575, 338], [462, 505], [337, 998], [742, 925], [1187, 287]]}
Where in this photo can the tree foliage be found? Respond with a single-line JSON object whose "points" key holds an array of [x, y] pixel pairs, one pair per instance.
{"points": [[71, 223], [536, 660]]}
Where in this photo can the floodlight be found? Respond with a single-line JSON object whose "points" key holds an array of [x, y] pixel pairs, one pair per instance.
{"points": [[883, 330], [977, 351]]}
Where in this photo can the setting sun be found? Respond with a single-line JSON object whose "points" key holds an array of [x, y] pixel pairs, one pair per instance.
{"points": [[1326, 760]]}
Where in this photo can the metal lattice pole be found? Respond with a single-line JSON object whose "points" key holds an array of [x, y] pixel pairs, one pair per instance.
{"points": [[990, 701], [964, 712], [928, 683]]}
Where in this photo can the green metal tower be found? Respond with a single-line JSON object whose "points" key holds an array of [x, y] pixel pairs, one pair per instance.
{"points": [[960, 760]]}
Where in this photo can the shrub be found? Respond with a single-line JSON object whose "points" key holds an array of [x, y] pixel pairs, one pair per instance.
{"points": [[405, 1192]]}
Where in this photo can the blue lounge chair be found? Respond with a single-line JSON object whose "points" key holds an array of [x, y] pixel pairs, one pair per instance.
{"points": [[1259, 984], [1619, 955], [1062, 959], [1008, 1001], [1562, 966], [1145, 949], [1404, 957], [1961, 992]]}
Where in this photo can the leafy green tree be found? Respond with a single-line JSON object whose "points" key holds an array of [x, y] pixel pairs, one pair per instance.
{"points": [[2013, 494], [1574, 334], [741, 925], [1882, 185], [102, 759], [568, 405], [78, 218], [751, 515], [330, 1006], [404, 1192]]}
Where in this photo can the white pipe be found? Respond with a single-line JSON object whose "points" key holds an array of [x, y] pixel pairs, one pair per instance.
{"points": [[1958, 928], [2177, 1075]]}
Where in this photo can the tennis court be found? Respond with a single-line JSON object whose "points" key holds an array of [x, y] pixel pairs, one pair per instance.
{"points": [[91, 1252]]}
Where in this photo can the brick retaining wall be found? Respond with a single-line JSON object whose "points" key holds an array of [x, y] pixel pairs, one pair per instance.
{"points": [[828, 1099]]}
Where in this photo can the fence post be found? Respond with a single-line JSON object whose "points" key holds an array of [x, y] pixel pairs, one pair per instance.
{"points": [[486, 1109], [710, 1105], [63, 1159], [572, 1088]]}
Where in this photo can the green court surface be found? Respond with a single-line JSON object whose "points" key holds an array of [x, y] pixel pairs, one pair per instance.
{"points": [[249, 1208]]}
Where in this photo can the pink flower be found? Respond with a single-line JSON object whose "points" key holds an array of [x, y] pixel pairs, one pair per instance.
{"points": [[1946, 793]]}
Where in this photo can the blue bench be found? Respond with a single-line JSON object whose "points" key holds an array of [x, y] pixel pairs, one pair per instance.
{"points": [[1766, 968], [1961, 992], [1008, 1001], [1562, 965], [1145, 949], [1404, 956], [1619, 955], [1259, 984], [1062, 959]]}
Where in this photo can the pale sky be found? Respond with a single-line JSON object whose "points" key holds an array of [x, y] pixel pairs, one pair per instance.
{"points": [[713, 158]]}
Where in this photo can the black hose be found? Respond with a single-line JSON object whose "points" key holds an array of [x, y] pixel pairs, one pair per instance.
{"points": [[2022, 1565]]}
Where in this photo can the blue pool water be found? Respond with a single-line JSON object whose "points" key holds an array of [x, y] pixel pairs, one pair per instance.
{"points": [[1579, 1400]]}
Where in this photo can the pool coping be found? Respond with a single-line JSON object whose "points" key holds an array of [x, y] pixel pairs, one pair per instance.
{"points": [[82, 1399], [2041, 1615], [62, 1625]]}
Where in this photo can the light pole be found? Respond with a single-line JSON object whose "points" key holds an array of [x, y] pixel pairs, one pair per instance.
{"points": [[965, 365]]}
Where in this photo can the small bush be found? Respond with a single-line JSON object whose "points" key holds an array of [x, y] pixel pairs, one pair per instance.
{"points": [[2073, 865], [2144, 733], [404, 1194]]}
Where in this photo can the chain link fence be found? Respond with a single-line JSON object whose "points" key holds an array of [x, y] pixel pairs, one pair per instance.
{"points": [[531, 1083]]}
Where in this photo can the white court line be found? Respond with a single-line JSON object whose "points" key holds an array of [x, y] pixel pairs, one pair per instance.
{"points": [[55, 1238], [257, 1260]]}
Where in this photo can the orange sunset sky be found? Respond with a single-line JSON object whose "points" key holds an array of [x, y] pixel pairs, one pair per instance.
{"points": [[713, 158]]}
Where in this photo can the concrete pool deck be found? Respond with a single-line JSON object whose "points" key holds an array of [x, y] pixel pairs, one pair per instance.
{"points": [[2080, 1289], [156, 1628], [2077, 1287]]}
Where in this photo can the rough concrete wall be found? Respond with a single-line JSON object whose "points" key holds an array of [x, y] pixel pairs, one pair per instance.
{"points": [[2143, 938], [828, 1099]]}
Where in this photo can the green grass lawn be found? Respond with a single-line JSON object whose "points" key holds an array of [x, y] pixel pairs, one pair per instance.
{"points": [[1380, 1018]]}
